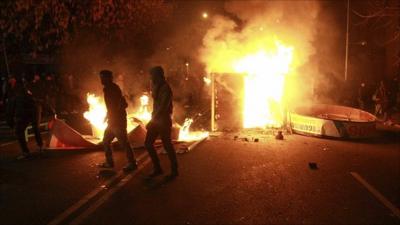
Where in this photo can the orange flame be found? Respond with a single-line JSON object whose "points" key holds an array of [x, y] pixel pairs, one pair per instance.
{"points": [[186, 135]]}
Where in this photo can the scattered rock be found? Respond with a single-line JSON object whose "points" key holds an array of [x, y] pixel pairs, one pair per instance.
{"points": [[313, 165], [279, 136], [256, 140], [246, 139]]}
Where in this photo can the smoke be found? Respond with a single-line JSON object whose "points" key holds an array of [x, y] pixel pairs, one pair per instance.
{"points": [[248, 26], [86, 56], [214, 45]]}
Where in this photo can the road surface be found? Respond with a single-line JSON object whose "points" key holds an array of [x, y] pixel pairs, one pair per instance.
{"points": [[224, 180]]}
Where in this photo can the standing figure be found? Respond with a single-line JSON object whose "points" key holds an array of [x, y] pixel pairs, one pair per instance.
{"points": [[22, 112], [8, 89], [36, 87], [381, 100], [161, 123], [51, 92], [117, 122]]}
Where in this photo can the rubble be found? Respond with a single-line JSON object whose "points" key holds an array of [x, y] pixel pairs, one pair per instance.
{"points": [[313, 165], [279, 136]]}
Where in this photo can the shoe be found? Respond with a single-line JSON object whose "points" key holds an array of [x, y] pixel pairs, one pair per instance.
{"points": [[130, 167], [155, 173], [105, 165], [171, 176], [24, 156]]}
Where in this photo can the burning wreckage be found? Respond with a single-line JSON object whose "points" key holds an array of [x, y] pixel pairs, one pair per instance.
{"points": [[65, 137], [257, 74], [261, 85]]}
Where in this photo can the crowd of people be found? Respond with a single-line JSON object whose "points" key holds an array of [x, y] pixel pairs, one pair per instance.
{"points": [[52, 93], [26, 99], [383, 99]]}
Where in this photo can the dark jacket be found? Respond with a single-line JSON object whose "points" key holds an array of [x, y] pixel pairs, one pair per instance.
{"points": [[162, 104], [37, 89], [116, 104], [21, 107]]}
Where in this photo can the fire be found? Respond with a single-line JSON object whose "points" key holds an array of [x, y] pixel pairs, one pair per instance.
{"points": [[98, 111], [264, 85], [186, 135], [143, 113], [273, 47], [265, 61], [96, 115]]}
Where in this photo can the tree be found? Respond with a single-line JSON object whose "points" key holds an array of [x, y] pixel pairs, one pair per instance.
{"points": [[37, 26], [382, 15]]}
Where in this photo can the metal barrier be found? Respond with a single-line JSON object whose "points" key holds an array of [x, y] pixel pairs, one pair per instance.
{"points": [[27, 135]]}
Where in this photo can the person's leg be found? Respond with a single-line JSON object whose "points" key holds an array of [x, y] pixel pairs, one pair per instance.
{"points": [[20, 126], [122, 137], [151, 137], [107, 139], [36, 131], [39, 109], [165, 134]]}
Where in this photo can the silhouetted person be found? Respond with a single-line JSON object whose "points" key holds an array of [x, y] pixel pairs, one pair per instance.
{"points": [[393, 89], [22, 112], [51, 92], [381, 100], [117, 122], [8, 89], [161, 123], [37, 87]]}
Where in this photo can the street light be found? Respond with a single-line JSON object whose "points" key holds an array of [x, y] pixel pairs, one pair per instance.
{"points": [[187, 71], [205, 15]]}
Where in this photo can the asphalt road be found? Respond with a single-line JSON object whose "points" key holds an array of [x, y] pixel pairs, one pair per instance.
{"points": [[222, 181]]}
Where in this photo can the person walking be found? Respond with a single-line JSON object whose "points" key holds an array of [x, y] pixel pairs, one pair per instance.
{"points": [[21, 113], [117, 122], [161, 123]]}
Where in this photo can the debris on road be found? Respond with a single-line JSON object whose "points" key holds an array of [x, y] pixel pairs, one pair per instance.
{"points": [[187, 148], [313, 165], [279, 136], [256, 140]]}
